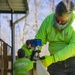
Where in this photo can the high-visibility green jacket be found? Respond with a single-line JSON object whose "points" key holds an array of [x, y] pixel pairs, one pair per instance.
{"points": [[61, 42], [22, 66], [28, 52]]}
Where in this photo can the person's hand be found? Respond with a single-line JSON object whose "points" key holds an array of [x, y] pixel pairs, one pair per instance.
{"points": [[47, 60]]}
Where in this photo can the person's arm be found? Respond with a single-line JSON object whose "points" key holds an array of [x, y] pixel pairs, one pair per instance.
{"points": [[41, 34], [45, 28], [68, 51], [65, 53]]}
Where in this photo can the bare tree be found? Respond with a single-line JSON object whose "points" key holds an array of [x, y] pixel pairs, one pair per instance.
{"points": [[35, 12], [22, 33], [67, 4], [52, 5], [0, 25]]}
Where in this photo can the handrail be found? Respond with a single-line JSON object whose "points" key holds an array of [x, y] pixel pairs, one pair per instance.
{"points": [[4, 42], [5, 58]]}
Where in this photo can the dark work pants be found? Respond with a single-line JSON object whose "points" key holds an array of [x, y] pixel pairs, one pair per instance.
{"points": [[66, 67]]}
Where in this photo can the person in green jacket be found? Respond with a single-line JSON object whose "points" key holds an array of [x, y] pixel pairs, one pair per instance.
{"points": [[27, 48], [59, 30], [22, 65]]}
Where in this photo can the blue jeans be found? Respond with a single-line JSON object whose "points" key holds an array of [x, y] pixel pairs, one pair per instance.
{"points": [[66, 67]]}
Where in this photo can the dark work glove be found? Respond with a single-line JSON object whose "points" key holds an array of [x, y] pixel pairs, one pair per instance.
{"points": [[42, 58], [48, 60], [33, 53]]}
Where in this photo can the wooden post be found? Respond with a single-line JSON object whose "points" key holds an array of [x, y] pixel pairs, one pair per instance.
{"points": [[5, 58]]}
